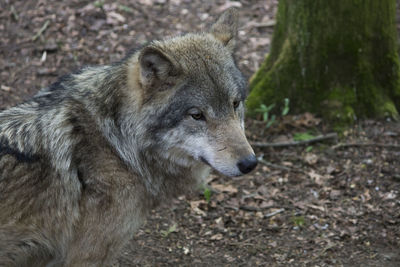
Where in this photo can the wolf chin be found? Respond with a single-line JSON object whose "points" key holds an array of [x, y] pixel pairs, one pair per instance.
{"points": [[85, 159]]}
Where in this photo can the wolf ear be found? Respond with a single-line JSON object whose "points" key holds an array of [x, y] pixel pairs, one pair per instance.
{"points": [[226, 27], [156, 68]]}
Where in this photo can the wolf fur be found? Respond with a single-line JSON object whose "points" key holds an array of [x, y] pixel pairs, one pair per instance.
{"points": [[85, 159]]}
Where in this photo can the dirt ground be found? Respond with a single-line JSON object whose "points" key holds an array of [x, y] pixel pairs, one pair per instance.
{"points": [[331, 203]]}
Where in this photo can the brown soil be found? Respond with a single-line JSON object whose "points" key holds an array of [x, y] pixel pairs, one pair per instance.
{"points": [[319, 205]]}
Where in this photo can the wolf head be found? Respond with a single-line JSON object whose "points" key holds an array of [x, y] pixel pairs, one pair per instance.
{"points": [[193, 95]]}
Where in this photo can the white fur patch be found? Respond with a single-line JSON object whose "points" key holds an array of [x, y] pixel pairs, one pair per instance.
{"points": [[199, 148]]}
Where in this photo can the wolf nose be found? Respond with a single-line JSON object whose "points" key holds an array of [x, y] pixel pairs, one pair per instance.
{"points": [[247, 164]]}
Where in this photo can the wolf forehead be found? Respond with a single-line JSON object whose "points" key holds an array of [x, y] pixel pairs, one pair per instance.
{"points": [[206, 63]]}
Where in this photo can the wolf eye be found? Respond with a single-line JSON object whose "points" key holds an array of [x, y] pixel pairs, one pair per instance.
{"points": [[196, 114], [236, 104]]}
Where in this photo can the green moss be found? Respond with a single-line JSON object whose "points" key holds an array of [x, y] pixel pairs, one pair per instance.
{"points": [[327, 58], [389, 110]]}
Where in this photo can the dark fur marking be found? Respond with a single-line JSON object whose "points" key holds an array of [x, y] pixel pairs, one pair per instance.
{"points": [[56, 92], [53, 95], [76, 126], [173, 113], [81, 180], [65, 79], [6, 149]]}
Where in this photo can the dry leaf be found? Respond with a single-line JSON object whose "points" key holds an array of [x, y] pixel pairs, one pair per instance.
{"points": [[224, 188], [311, 158], [5, 88], [316, 207], [334, 194], [194, 205], [217, 237], [227, 5]]}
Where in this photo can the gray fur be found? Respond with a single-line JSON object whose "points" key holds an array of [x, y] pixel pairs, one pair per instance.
{"points": [[84, 160]]}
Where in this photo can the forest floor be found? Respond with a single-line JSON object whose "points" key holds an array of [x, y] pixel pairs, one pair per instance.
{"points": [[319, 204]]}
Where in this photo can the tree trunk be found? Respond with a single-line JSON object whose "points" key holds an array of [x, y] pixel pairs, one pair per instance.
{"points": [[338, 59]]}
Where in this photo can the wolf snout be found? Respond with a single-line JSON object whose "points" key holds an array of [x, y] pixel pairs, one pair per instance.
{"points": [[247, 164]]}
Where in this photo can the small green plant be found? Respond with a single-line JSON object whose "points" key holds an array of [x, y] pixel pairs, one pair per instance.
{"points": [[99, 3], [309, 148], [125, 8], [207, 194], [303, 136], [298, 221], [171, 229], [266, 110], [285, 109]]}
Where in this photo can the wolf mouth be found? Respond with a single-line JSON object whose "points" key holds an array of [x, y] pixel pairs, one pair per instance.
{"points": [[205, 161]]}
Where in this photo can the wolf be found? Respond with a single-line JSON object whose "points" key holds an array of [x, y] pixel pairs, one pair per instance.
{"points": [[85, 159]]}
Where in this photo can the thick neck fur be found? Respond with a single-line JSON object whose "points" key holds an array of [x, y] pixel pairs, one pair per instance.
{"points": [[123, 123], [162, 169], [103, 94]]}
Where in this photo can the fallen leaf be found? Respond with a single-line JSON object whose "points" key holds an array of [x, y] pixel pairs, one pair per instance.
{"points": [[194, 205], [311, 158], [260, 42], [316, 207], [224, 188], [334, 194], [114, 18], [227, 5], [216, 237], [331, 169], [390, 195], [5, 88], [318, 179]]}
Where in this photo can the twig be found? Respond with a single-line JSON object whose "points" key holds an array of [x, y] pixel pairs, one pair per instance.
{"points": [[297, 143], [44, 27], [251, 208], [366, 145], [280, 167], [269, 23], [274, 213], [275, 166]]}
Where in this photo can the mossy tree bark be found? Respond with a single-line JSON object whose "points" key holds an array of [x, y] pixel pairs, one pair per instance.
{"points": [[337, 58]]}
